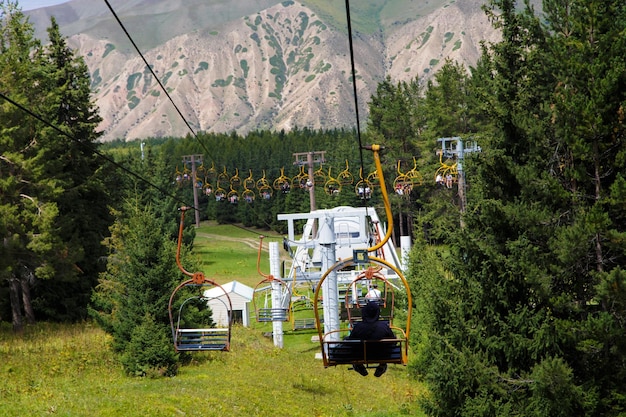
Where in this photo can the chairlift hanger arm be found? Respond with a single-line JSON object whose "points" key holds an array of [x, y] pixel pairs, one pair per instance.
{"points": [[383, 190], [196, 276], [258, 260]]}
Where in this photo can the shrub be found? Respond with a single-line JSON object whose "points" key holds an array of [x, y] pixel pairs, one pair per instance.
{"points": [[150, 351]]}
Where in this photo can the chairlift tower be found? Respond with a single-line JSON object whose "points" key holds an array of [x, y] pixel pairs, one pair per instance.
{"points": [[327, 242], [193, 159], [330, 289], [310, 159], [456, 148]]}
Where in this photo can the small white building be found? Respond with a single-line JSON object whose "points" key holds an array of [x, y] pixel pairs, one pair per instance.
{"points": [[240, 297]]}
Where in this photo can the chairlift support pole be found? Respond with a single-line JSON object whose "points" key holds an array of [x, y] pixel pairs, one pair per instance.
{"points": [[310, 159], [277, 322], [327, 241], [460, 154], [192, 159], [461, 148]]}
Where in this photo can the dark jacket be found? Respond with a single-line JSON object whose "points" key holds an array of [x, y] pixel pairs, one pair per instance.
{"points": [[370, 328]]}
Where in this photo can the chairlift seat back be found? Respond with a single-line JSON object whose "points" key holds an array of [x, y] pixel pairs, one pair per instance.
{"points": [[202, 339], [346, 352]]}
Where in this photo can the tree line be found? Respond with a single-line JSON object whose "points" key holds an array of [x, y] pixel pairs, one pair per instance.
{"points": [[520, 297]]}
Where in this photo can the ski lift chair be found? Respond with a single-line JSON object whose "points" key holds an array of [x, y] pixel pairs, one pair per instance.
{"points": [[187, 334]]}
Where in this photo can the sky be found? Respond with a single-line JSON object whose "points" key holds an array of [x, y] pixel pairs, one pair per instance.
{"points": [[35, 4]]}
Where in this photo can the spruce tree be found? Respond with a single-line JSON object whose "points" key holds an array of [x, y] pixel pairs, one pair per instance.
{"points": [[396, 122], [140, 276], [529, 318], [28, 211], [447, 102], [72, 161], [55, 204]]}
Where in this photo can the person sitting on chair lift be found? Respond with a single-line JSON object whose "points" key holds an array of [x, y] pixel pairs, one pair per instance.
{"points": [[373, 294], [370, 328]]}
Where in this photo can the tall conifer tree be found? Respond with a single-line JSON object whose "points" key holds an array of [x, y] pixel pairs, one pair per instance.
{"points": [[27, 207], [72, 161], [530, 319], [54, 209]]}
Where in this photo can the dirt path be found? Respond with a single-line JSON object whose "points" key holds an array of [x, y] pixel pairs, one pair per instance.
{"points": [[248, 241]]}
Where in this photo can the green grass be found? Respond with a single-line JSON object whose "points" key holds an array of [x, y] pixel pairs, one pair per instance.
{"points": [[68, 370], [230, 253]]}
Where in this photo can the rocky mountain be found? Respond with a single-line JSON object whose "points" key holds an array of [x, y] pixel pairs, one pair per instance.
{"points": [[256, 64]]}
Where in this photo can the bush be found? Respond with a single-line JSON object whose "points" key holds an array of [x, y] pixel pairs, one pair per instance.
{"points": [[150, 351]]}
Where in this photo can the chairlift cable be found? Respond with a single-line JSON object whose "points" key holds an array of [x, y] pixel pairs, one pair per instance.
{"points": [[157, 78], [356, 101], [355, 93], [93, 149]]}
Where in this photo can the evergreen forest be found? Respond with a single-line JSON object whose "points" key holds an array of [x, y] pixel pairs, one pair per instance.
{"points": [[518, 266]]}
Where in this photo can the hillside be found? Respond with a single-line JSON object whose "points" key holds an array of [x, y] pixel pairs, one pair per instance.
{"points": [[246, 65]]}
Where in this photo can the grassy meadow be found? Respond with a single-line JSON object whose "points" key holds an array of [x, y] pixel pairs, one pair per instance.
{"points": [[228, 253], [68, 370]]}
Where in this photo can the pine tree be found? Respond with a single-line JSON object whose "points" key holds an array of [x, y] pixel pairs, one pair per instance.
{"points": [[72, 161], [27, 196], [530, 318], [141, 274]]}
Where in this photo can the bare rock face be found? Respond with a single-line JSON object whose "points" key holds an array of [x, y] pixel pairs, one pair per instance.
{"points": [[285, 66]]}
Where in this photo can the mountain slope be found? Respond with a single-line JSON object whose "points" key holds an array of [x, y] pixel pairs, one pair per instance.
{"points": [[259, 65]]}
